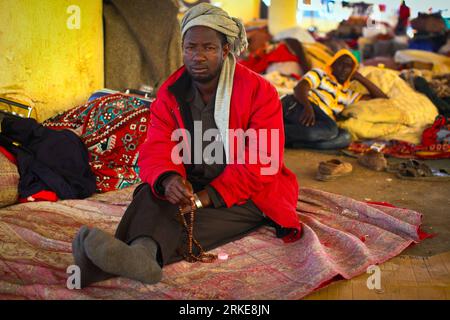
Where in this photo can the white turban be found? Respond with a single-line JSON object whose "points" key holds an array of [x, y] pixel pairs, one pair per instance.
{"points": [[207, 15]]}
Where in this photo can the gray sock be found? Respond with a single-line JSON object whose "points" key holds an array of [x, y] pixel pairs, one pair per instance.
{"points": [[136, 261], [90, 273]]}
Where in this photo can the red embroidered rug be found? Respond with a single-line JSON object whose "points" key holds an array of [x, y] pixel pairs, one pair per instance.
{"points": [[112, 127]]}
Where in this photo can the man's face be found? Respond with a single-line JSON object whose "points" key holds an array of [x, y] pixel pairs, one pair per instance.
{"points": [[203, 53], [342, 68]]}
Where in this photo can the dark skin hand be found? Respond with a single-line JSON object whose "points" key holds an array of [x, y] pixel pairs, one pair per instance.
{"points": [[301, 90], [374, 91], [204, 198], [178, 191]]}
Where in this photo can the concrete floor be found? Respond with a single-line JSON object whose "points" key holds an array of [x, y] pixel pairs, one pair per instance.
{"points": [[401, 278], [432, 199]]}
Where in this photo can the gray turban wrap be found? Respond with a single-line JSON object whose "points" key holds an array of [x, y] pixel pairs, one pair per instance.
{"points": [[215, 18], [207, 15]]}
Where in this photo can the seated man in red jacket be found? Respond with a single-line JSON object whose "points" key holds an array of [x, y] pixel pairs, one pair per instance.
{"points": [[233, 190]]}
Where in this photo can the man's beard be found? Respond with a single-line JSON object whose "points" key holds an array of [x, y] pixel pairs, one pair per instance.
{"points": [[207, 78], [203, 79]]}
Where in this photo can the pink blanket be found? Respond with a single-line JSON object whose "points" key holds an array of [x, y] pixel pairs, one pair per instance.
{"points": [[342, 237]]}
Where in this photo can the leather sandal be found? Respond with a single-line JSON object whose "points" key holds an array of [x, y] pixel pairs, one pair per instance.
{"points": [[420, 171], [331, 169]]}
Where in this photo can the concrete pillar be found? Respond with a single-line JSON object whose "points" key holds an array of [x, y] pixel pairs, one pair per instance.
{"points": [[282, 15]]}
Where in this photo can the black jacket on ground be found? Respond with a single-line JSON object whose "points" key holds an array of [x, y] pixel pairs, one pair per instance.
{"points": [[47, 159]]}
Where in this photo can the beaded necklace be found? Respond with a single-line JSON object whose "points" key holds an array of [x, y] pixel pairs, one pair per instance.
{"points": [[190, 256]]}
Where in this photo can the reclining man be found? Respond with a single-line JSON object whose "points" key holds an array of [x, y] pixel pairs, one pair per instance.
{"points": [[310, 113], [232, 197]]}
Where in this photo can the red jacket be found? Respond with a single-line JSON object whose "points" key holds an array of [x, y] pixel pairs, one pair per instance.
{"points": [[254, 104]]}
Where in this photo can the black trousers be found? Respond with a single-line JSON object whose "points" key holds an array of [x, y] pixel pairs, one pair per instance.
{"points": [[151, 217], [421, 85], [324, 134]]}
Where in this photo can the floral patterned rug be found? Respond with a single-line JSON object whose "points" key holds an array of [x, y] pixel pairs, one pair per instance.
{"points": [[342, 238]]}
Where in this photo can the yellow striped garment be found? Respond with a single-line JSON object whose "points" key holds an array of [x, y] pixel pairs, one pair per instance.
{"points": [[327, 93]]}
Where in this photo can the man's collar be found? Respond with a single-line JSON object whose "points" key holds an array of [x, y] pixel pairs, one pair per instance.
{"points": [[181, 87]]}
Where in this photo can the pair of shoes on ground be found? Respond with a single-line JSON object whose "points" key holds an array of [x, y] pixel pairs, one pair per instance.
{"points": [[331, 169], [416, 170]]}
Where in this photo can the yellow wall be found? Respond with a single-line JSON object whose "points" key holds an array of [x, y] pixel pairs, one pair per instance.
{"points": [[45, 63], [282, 15], [246, 10]]}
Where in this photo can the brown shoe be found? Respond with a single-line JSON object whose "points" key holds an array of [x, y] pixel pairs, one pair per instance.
{"points": [[331, 169], [374, 160]]}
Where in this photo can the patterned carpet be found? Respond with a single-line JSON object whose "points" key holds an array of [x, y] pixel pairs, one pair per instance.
{"points": [[342, 237]]}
